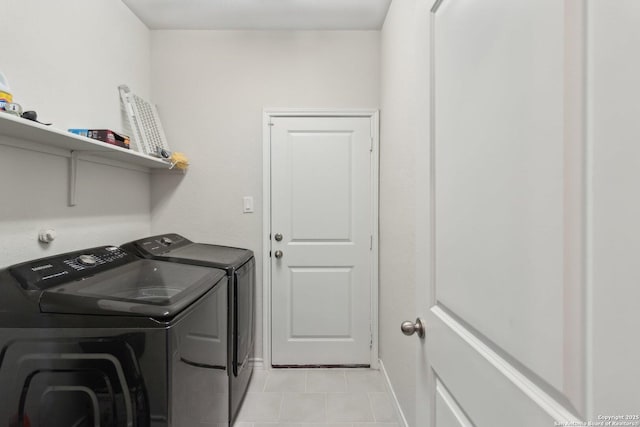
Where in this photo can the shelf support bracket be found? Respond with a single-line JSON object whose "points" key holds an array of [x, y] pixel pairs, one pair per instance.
{"points": [[73, 175]]}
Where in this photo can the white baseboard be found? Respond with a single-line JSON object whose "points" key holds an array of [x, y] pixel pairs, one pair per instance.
{"points": [[396, 404]]}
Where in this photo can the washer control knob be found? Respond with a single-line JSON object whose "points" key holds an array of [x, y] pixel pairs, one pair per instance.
{"points": [[166, 241], [87, 260]]}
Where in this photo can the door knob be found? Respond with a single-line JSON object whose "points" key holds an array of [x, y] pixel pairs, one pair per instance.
{"points": [[278, 254], [278, 237], [410, 328]]}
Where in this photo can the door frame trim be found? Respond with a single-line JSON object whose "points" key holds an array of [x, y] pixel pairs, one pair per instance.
{"points": [[267, 115]]}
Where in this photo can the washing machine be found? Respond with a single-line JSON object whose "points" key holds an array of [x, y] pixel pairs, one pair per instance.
{"points": [[239, 265], [100, 337]]}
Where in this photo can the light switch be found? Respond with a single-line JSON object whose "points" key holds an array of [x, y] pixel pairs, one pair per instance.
{"points": [[247, 204]]}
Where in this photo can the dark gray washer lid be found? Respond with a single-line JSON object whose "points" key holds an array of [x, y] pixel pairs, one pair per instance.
{"points": [[148, 288]]}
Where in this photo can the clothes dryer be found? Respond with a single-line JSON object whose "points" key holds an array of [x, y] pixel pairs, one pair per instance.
{"points": [[239, 265]]}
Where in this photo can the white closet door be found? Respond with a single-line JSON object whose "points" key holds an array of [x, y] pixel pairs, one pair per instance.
{"points": [[321, 210]]}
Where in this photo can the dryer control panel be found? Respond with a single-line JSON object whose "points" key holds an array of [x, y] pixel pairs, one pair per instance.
{"points": [[158, 245], [47, 272]]}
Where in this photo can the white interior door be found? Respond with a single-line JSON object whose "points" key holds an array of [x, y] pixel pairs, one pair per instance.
{"points": [[321, 226], [505, 314]]}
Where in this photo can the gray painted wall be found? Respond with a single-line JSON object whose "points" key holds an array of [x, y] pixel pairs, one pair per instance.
{"points": [[211, 88], [404, 161], [65, 59]]}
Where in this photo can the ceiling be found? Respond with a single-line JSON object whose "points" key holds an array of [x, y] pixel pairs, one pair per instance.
{"points": [[261, 14]]}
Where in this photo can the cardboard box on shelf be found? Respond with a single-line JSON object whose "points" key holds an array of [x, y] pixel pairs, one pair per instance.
{"points": [[104, 135]]}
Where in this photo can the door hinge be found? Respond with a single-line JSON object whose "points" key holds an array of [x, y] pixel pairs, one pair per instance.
{"points": [[370, 341], [269, 254], [371, 144], [271, 124], [370, 242]]}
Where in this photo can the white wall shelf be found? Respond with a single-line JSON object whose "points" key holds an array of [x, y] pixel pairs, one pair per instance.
{"points": [[48, 137], [37, 137]]}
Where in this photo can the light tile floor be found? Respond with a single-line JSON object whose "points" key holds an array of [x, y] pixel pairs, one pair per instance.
{"points": [[317, 398]]}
